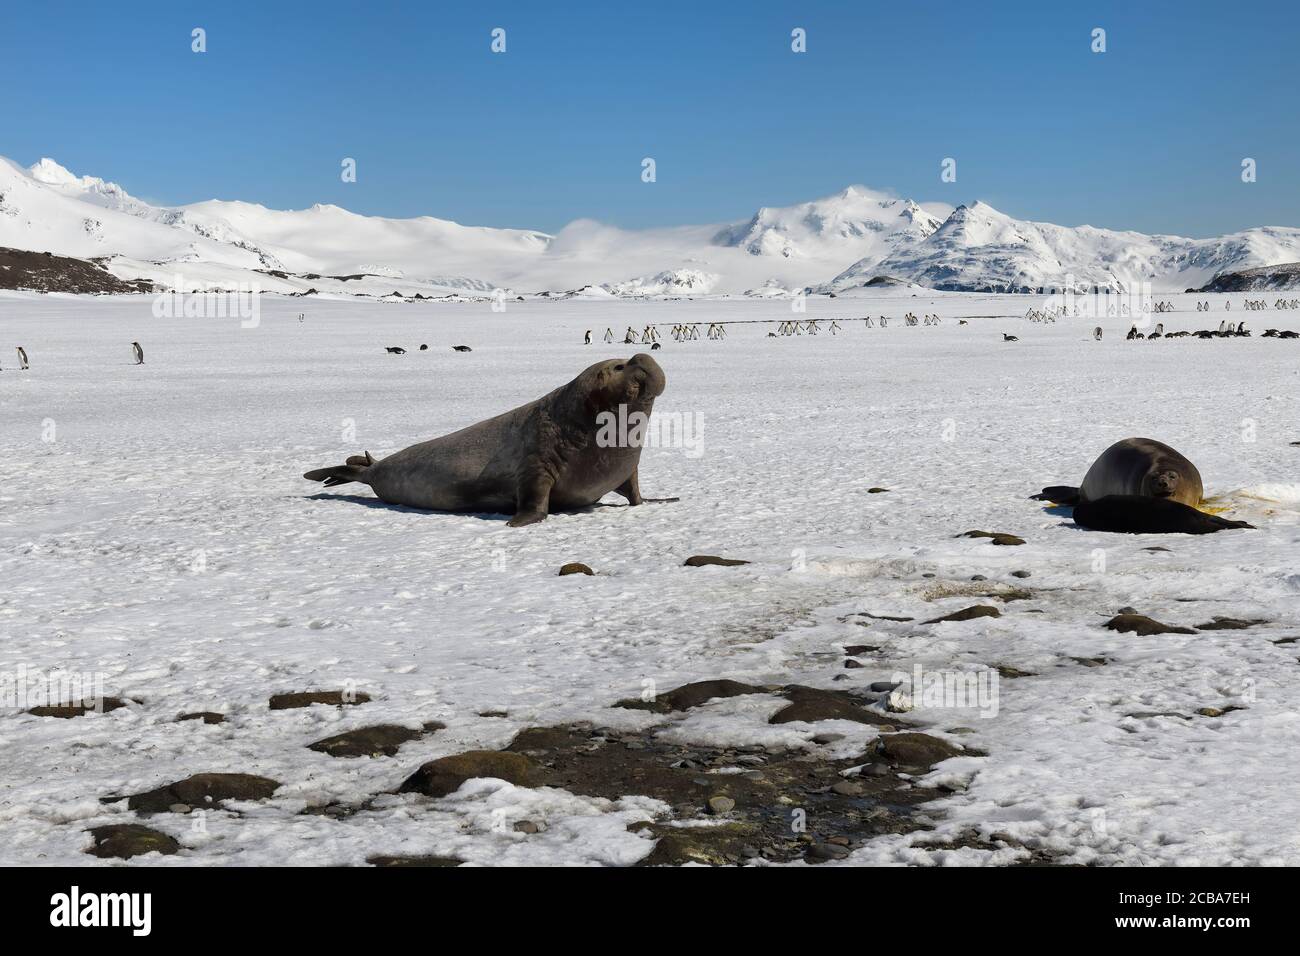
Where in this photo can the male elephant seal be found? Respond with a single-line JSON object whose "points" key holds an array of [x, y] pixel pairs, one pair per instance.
{"points": [[1140, 486], [539, 457]]}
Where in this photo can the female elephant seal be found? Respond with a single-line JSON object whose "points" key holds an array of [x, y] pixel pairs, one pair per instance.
{"points": [[1140, 486], [554, 453]]}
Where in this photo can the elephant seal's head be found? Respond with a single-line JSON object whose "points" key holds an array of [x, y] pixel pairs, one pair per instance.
{"points": [[634, 383]]}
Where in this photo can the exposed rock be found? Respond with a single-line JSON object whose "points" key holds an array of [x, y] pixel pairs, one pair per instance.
{"points": [[380, 740], [207, 716], [822, 852], [437, 778], [203, 790], [1230, 624], [1218, 711], [79, 708], [691, 695], [1011, 673], [125, 840], [915, 750], [713, 846], [721, 804], [413, 861], [1142, 625], [46, 272], [575, 567], [856, 650], [701, 560], [337, 698], [967, 614], [1021, 574], [876, 491], [997, 537], [811, 704]]}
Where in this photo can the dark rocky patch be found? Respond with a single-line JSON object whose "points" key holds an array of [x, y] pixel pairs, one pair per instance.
{"points": [[1011, 673], [775, 783], [575, 567], [1021, 574], [207, 716], [1229, 624], [918, 751], [413, 861], [1091, 661], [78, 709], [811, 704], [876, 491], [382, 740], [1158, 548], [1218, 711], [46, 272], [203, 790], [124, 840], [437, 778], [337, 698], [703, 560], [692, 695], [857, 650], [884, 617], [967, 614], [1143, 626], [997, 537]]}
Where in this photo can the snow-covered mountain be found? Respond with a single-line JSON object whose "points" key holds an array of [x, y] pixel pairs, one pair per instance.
{"points": [[856, 235], [980, 249], [856, 218]]}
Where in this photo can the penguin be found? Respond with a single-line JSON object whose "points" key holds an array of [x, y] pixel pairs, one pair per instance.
{"points": [[139, 353], [22, 358], [394, 350], [1096, 333], [586, 339], [1009, 338], [461, 348], [424, 348]]}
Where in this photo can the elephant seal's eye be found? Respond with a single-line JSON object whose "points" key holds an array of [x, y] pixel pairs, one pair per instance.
{"points": [[618, 368]]}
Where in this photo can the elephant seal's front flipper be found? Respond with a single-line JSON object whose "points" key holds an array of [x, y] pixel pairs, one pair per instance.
{"points": [[1139, 514]]}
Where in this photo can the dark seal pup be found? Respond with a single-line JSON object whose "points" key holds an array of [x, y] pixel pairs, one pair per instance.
{"points": [[1140, 486], [541, 457]]}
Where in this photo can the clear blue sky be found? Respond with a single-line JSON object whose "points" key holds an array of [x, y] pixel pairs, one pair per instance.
{"points": [[1149, 135]]}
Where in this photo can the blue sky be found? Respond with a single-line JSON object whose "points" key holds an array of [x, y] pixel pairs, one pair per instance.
{"points": [[1149, 135]]}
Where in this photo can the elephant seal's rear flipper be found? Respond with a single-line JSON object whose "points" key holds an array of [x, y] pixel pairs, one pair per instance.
{"points": [[1058, 494], [1138, 514], [354, 470]]}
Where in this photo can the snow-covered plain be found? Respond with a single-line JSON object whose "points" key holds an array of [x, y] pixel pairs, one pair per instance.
{"points": [[154, 528]]}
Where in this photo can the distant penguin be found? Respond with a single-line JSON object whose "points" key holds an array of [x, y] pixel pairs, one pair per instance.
{"points": [[394, 350], [655, 347], [424, 348], [139, 353], [586, 339], [22, 357], [461, 348], [1096, 333], [1009, 338]]}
